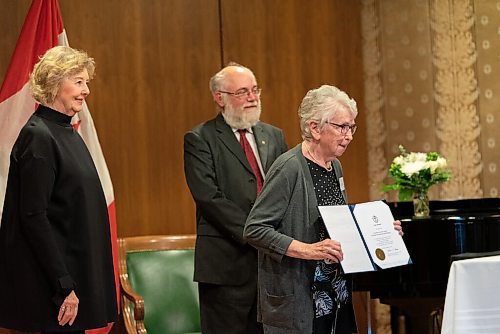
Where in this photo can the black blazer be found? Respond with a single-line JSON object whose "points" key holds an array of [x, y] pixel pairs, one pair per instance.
{"points": [[224, 190]]}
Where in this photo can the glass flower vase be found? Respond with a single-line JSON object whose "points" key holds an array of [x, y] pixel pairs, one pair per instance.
{"points": [[421, 204]]}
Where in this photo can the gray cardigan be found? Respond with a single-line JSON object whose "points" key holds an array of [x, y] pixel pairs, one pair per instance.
{"points": [[285, 210]]}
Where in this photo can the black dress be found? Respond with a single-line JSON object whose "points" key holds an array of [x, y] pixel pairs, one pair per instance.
{"points": [[331, 290], [55, 235]]}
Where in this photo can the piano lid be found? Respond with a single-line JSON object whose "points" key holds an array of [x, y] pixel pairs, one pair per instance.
{"points": [[454, 227], [447, 209]]}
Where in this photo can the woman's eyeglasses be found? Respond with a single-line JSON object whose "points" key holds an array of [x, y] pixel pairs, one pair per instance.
{"points": [[344, 128]]}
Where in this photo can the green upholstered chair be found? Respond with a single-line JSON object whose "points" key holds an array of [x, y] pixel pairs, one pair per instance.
{"points": [[157, 290]]}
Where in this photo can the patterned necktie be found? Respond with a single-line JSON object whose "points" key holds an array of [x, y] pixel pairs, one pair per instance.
{"points": [[251, 159]]}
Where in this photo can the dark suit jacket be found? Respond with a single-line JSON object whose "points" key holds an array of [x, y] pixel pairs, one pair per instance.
{"points": [[224, 189]]}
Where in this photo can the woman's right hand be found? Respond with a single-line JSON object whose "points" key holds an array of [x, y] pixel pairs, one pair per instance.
{"points": [[69, 310], [327, 249]]}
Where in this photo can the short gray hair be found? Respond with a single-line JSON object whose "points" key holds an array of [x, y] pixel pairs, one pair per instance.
{"points": [[217, 80], [321, 104]]}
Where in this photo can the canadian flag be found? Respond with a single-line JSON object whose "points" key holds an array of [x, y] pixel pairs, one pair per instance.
{"points": [[42, 30]]}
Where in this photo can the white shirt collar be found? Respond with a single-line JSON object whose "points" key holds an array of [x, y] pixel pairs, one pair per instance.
{"points": [[236, 130]]}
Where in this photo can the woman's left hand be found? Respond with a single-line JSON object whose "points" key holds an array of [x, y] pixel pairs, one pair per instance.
{"points": [[69, 310], [398, 227]]}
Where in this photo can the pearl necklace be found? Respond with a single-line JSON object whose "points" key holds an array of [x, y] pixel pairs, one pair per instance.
{"points": [[328, 168]]}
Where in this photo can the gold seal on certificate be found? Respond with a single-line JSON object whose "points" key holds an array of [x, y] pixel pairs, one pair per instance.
{"points": [[367, 234], [380, 254]]}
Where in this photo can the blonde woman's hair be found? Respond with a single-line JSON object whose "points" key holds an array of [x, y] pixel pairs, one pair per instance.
{"points": [[321, 104], [57, 64]]}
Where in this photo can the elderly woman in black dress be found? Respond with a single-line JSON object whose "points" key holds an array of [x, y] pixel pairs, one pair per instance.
{"points": [[55, 248]]}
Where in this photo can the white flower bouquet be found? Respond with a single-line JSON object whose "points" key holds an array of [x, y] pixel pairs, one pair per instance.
{"points": [[415, 172]]}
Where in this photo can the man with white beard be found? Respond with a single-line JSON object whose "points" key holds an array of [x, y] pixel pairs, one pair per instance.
{"points": [[225, 161]]}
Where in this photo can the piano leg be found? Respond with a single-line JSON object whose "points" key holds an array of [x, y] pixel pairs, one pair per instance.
{"points": [[361, 304], [371, 316], [417, 313]]}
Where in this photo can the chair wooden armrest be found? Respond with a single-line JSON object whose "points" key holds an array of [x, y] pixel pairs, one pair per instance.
{"points": [[130, 296]]}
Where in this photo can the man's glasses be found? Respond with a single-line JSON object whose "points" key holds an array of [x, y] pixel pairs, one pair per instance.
{"points": [[244, 92], [344, 128]]}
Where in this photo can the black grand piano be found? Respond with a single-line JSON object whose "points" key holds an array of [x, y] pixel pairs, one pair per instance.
{"points": [[454, 227]]}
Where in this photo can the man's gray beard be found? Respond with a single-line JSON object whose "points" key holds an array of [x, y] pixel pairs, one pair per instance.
{"points": [[239, 118]]}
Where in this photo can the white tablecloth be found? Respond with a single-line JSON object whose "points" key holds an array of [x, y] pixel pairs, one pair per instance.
{"points": [[472, 302]]}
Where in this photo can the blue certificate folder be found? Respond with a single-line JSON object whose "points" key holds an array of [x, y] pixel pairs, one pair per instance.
{"points": [[367, 236]]}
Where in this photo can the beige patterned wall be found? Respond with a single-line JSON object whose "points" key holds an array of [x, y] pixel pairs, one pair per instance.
{"points": [[456, 92], [487, 36], [431, 83], [372, 66]]}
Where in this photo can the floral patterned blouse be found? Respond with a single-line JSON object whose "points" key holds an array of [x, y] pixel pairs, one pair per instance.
{"points": [[329, 288]]}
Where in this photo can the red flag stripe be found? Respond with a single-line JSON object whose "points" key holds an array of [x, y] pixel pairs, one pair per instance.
{"points": [[41, 28]]}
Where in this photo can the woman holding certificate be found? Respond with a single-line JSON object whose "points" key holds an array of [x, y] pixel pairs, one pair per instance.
{"points": [[302, 288]]}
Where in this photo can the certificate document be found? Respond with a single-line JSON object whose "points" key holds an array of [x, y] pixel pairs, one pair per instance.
{"points": [[367, 236]]}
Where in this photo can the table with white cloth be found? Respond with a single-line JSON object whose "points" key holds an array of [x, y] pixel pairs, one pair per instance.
{"points": [[472, 303]]}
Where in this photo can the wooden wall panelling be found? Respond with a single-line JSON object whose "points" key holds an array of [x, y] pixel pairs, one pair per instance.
{"points": [[154, 60], [12, 15], [295, 48]]}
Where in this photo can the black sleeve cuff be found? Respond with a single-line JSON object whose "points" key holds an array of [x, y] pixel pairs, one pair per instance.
{"points": [[65, 285]]}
